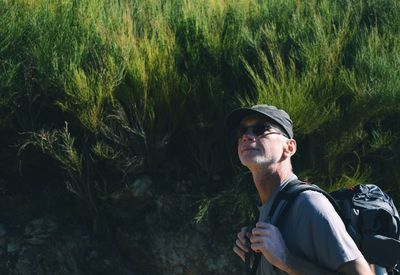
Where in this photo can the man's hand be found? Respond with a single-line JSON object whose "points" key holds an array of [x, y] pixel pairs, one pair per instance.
{"points": [[267, 239], [242, 245]]}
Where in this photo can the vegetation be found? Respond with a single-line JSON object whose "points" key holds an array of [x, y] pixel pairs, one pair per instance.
{"points": [[103, 92]]}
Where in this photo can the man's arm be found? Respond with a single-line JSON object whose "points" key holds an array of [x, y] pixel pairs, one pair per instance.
{"points": [[299, 266], [267, 239], [358, 266]]}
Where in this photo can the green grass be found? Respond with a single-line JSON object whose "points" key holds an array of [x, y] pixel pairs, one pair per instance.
{"points": [[144, 87]]}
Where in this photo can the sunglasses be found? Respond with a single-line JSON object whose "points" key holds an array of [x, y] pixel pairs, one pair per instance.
{"points": [[257, 129]]}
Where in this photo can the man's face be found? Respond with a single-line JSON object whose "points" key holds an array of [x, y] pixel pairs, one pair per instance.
{"points": [[260, 142]]}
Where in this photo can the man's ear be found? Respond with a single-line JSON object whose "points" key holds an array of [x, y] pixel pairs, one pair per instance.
{"points": [[291, 147]]}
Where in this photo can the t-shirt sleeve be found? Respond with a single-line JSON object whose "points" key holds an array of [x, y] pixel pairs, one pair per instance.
{"points": [[322, 235]]}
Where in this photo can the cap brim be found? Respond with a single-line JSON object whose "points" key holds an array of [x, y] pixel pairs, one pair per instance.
{"points": [[235, 117]]}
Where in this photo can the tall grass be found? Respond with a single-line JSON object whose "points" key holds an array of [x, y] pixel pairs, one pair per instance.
{"points": [[144, 87]]}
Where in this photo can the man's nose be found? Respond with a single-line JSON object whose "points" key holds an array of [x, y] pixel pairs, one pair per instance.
{"points": [[248, 135]]}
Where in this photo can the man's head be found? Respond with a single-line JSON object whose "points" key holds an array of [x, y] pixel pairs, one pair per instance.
{"points": [[265, 135], [276, 116]]}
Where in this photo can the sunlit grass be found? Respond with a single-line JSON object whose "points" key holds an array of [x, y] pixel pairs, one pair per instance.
{"points": [[144, 85]]}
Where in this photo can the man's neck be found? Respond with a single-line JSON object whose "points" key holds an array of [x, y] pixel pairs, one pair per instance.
{"points": [[267, 181]]}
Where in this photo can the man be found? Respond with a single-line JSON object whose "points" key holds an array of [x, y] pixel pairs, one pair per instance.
{"points": [[312, 238]]}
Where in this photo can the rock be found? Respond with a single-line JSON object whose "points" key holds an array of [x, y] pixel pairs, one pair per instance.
{"points": [[143, 240], [132, 200], [13, 245], [37, 231], [166, 241], [141, 187], [46, 247]]}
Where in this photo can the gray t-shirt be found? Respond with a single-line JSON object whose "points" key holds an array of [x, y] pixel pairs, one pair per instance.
{"points": [[312, 230]]}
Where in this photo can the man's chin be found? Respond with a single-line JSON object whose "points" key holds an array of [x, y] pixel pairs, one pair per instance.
{"points": [[253, 161]]}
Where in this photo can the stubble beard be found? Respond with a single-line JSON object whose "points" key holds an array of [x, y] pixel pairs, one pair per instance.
{"points": [[259, 160]]}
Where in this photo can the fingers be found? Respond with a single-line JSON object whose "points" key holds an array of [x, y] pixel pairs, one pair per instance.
{"points": [[242, 240], [267, 239], [264, 225], [260, 235], [257, 247], [260, 232], [262, 229], [242, 244], [239, 252], [241, 248], [256, 240], [242, 235]]}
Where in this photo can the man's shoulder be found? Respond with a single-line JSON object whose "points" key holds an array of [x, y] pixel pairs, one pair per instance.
{"points": [[313, 201], [310, 196]]}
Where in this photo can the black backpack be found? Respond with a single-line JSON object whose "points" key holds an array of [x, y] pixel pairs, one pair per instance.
{"points": [[368, 213]]}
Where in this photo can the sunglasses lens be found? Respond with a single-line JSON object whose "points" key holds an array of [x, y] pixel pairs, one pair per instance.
{"points": [[241, 131], [258, 129]]}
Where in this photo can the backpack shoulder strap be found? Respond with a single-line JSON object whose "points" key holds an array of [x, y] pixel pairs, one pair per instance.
{"points": [[287, 196]]}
